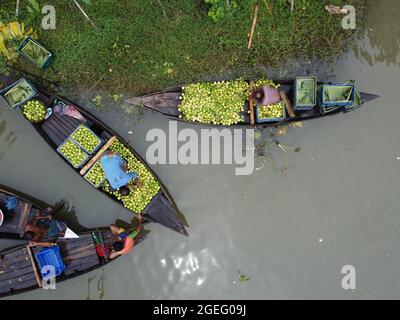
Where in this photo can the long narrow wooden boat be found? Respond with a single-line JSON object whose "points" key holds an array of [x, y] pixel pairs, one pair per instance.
{"points": [[20, 271], [167, 103], [57, 128], [13, 226]]}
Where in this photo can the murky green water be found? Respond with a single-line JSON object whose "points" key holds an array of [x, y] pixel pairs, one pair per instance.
{"points": [[291, 234]]}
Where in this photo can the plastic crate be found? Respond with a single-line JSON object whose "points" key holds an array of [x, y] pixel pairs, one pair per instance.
{"points": [[100, 141], [305, 106], [90, 170], [50, 257], [6, 89], [46, 63], [263, 120], [66, 158], [358, 99], [348, 102]]}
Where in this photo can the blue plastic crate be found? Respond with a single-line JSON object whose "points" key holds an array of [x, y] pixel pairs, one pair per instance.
{"points": [[337, 103], [6, 89], [46, 63], [261, 120], [50, 257]]}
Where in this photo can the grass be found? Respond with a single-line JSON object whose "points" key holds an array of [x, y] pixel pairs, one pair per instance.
{"points": [[135, 48]]}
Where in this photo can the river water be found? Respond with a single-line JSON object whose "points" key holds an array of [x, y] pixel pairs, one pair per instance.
{"points": [[289, 232]]}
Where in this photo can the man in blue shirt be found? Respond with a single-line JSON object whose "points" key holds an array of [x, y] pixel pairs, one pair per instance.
{"points": [[115, 169]]}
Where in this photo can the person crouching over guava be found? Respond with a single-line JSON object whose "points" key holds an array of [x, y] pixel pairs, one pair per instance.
{"points": [[116, 171]]}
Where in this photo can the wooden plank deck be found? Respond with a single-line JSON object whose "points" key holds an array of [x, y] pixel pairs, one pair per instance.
{"points": [[79, 256], [16, 271], [60, 127]]}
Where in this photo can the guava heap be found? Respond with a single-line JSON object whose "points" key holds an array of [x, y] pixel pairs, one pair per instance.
{"points": [[86, 139], [217, 102], [139, 197]]}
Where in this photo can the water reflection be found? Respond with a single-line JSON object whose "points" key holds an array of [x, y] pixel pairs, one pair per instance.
{"points": [[66, 212], [99, 285], [192, 269], [382, 32], [7, 138]]}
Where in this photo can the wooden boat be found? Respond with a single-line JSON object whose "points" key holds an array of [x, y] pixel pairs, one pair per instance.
{"points": [[14, 223], [167, 103], [20, 271], [57, 128]]}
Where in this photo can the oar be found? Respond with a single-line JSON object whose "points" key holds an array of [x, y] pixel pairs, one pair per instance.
{"points": [[288, 105], [98, 155], [35, 270], [251, 103]]}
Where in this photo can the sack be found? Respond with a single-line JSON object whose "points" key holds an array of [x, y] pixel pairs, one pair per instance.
{"points": [[270, 96]]}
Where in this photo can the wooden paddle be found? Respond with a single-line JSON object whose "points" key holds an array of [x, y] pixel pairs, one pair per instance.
{"points": [[288, 105], [35, 270], [97, 155], [251, 104]]}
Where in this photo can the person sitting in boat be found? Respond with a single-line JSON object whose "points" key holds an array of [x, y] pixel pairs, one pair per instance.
{"points": [[9, 203], [43, 225], [116, 171], [126, 241], [7, 206], [266, 95]]}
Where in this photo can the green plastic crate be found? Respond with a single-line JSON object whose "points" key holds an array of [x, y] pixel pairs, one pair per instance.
{"points": [[11, 87], [299, 86], [99, 140], [86, 176], [32, 45], [78, 148]]}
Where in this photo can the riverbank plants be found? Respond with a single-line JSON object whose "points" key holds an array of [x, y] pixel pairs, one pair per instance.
{"points": [[180, 35]]}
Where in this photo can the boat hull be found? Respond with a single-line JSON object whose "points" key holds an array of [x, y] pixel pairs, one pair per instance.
{"points": [[167, 103]]}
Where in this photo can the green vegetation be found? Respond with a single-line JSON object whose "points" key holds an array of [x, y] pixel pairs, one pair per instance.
{"points": [[73, 153], [86, 139], [140, 196], [220, 8], [138, 47], [34, 111]]}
